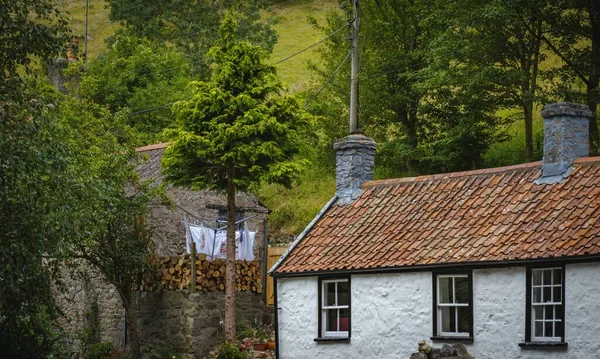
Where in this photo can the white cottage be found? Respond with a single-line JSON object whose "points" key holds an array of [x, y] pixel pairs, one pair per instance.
{"points": [[505, 260]]}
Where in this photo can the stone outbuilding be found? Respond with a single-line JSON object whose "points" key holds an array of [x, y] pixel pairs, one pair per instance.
{"points": [[503, 260], [172, 316]]}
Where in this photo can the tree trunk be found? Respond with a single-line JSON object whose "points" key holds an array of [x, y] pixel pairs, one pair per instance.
{"points": [[230, 284], [530, 87], [594, 79], [132, 328], [528, 117]]}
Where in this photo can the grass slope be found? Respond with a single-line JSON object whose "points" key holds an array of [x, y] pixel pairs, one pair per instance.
{"points": [[295, 34], [99, 26]]}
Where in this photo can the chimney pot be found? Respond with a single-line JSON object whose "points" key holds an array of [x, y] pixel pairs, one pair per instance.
{"points": [[355, 164], [566, 137]]}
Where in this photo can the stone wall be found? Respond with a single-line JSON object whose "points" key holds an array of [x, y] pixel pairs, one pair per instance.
{"points": [[192, 320], [199, 207], [172, 316]]}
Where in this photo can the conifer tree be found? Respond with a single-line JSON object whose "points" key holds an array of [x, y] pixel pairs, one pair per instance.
{"points": [[235, 132]]}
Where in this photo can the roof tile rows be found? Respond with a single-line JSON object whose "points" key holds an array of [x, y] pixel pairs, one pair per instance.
{"points": [[485, 215]]}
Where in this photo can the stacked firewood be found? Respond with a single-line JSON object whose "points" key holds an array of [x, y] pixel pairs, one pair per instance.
{"points": [[175, 273]]}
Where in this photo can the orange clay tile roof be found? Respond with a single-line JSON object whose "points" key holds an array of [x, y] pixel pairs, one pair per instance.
{"points": [[478, 216]]}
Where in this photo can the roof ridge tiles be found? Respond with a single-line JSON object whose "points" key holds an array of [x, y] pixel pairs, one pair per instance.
{"points": [[155, 146], [452, 175]]}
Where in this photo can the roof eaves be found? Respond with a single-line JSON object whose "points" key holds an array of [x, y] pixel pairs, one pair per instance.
{"points": [[303, 234]]}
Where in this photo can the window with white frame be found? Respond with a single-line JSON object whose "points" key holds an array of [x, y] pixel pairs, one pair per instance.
{"points": [[453, 298], [547, 305], [335, 308]]}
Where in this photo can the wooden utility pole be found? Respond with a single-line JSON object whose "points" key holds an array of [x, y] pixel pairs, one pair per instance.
{"points": [[85, 41], [354, 72]]}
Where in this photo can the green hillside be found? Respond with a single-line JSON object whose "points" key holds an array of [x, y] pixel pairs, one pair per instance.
{"points": [[99, 26]]}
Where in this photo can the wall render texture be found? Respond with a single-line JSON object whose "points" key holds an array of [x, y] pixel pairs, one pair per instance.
{"points": [[392, 312]]}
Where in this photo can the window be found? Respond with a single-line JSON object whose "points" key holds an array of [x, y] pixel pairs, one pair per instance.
{"points": [[239, 215], [334, 308], [453, 310], [546, 305]]}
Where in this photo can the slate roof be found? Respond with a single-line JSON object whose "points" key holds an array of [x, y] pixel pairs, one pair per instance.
{"points": [[478, 216], [150, 168]]}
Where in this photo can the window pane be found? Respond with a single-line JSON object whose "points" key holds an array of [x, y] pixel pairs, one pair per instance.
{"points": [[547, 277], [538, 312], [539, 329], [558, 329], [537, 277], [448, 316], [556, 294], [557, 276], [343, 289], [548, 329], [344, 319], [445, 290], [461, 289], [332, 320], [558, 312], [547, 297], [549, 312], [464, 323], [330, 293], [537, 295]]}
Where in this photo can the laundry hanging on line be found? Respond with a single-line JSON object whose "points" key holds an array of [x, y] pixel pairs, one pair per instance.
{"points": [[214, 243]]}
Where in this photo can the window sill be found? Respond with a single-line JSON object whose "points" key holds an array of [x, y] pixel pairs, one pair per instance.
{"points": [[544, 345], [332, 340], [453, 339]]}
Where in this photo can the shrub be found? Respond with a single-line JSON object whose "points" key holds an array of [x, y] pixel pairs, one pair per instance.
{"points": [[231, 351], [102, 350]]}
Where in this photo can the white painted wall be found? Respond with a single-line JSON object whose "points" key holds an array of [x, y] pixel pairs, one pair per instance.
{"points": [[392, 312]]}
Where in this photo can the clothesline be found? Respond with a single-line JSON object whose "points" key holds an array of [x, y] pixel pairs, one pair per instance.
{"points": [[213, 242]]}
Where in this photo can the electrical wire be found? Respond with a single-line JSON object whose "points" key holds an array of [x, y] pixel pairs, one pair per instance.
{"points": [[328, 80], [158, 107], [311, 46]]}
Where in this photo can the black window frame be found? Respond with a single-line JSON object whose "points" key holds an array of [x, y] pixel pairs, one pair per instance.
{"points": [[436, 334], [529, 343], [321, 337]]}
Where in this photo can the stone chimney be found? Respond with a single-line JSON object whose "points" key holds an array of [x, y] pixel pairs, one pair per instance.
{"points": [[566, 137], [355, 163]]}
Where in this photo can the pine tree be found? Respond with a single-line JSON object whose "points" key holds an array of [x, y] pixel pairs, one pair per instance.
{"points": [[235, 132]]}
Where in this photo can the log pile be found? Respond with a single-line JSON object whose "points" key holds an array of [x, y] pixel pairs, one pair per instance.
{"points": [[174, 273]]}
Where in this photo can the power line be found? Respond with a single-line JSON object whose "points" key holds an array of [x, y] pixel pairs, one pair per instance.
{"points": [[157, 107], [328, 80], [311, 46]]}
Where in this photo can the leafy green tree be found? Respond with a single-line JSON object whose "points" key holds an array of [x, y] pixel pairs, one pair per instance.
{"points": [[486, 39], [415, 100], [138, 81], [36, 186], [115, 240], [192, 25], [30, 30], [574, 36], [235, 132]]}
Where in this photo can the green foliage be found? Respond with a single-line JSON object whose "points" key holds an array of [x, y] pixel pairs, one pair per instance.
{"points": [[231, 351], [102, 350], [161, 349], [31, 30], [132, 76], [427, 114], [236, 126], [40, 202], [193, 26]]}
